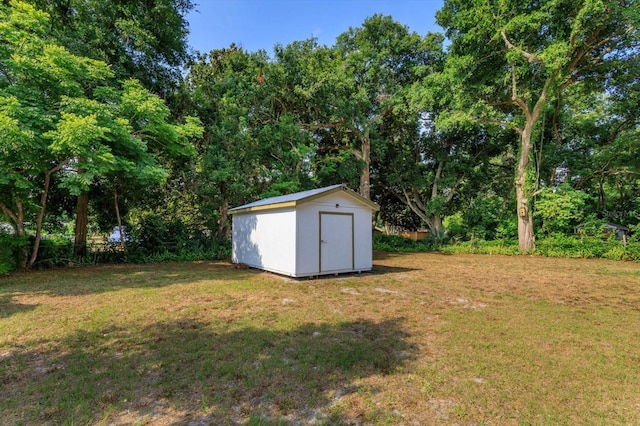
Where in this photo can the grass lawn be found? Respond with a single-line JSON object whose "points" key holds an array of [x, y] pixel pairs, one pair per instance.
{"points": [[423, 339]]}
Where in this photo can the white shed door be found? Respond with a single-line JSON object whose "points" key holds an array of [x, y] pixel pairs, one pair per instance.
{"points": [[336, 242]]}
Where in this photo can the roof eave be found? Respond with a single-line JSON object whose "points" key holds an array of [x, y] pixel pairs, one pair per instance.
{"points": [[270, 206], [294, 203]]}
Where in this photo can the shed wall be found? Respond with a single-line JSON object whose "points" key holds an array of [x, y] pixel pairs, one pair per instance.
{"points": [[266, 240], [308, 232]]}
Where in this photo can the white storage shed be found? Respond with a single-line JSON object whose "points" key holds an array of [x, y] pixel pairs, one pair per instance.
{"points": [[317, 232]]}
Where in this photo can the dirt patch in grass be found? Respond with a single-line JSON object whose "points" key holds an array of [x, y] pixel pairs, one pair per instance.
{"points": [[422, 339]]}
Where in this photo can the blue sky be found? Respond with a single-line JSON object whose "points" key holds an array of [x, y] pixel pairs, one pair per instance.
{"points": [[260, 24]]}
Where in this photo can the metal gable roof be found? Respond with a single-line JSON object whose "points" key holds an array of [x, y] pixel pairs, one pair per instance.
{"points": [[291, 200]]}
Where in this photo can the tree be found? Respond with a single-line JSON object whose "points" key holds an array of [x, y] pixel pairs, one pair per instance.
{"points": [[432, 171], [251, 145], [37, 75], [382, 57], [602, 129], [315, 89], [65, 121], [131, 130], [513, 59], [340, 94], [144, 40]]}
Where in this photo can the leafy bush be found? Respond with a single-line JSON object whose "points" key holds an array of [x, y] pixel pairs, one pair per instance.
{"points": [[560, 245], [108, 252], [11, 252], [219, 251], [560, 209], [396, 243], [54, 251], [508, 228], [632, 251], [484, 215], [476, 246], [455, 226], [154, 234], [555, 245], [616, 253]]}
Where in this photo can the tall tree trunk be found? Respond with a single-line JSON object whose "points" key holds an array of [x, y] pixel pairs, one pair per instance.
{"points": [[223, 225], [435, 221], [526, 239], [435, 225], [524, 192], [18, 219], [365, 186], [118, 218], [43, 206], [21, 232], [603, 196], [82, 220], [621, 202]]}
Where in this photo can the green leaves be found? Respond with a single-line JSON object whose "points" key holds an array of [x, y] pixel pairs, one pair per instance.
{"points": [[75, 135], [560, 210]]}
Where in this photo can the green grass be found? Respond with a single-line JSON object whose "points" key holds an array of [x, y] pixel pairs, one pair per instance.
{"points": [[425, 338]]}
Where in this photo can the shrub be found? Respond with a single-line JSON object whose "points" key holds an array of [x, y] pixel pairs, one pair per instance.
{"points": [[484, 215], [54, 251], [560, 245], [509, 247], [153, 234], [555, 245], [632, 251], [508, 228], [221, 250], [396, 243], [455, 226], [11, 252], [560, 209]]}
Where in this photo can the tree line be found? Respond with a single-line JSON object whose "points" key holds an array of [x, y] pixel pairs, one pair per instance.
{"points": [[519, 123]]}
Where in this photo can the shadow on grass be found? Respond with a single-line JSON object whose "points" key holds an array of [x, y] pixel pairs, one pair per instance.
{"points": [[100, 279], [384, 255], [8, 307], [385, 269], [188, 371]]}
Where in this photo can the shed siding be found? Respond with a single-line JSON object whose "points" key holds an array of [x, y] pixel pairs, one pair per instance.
{"points": [[266, 240]]}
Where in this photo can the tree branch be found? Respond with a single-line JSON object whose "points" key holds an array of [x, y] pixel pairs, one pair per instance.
{"points": [[436, 178], [7, 211], [514, 95], [319, 126], [421, 214], [454, 188], [528, 56], [417, 201], [502, 124]]}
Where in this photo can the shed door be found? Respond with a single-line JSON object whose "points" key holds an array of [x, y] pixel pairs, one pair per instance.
{"points": [[336, 242]]}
